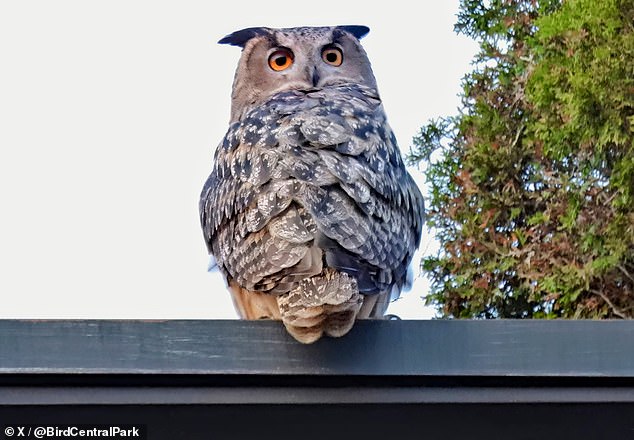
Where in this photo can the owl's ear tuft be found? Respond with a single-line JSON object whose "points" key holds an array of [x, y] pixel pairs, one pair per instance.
{"points": [[358, 31], [241, 37]]}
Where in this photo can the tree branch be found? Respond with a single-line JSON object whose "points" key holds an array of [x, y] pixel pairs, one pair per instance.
{"points": [[615, 309], [626, 273]]}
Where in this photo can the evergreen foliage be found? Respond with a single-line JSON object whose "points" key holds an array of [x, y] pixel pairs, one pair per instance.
{"points": [[532, 182]]}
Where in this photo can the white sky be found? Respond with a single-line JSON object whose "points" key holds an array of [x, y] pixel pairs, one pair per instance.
{"points": [[109, 116]]}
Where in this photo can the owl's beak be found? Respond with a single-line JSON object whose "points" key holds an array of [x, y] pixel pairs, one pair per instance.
{"points": [[315, 77]]}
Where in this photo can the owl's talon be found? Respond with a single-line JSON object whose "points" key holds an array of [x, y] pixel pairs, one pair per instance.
{"points": [[392, 317]]}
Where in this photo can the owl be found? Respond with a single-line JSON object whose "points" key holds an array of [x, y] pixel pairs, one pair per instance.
{"points": [[309, 212]]}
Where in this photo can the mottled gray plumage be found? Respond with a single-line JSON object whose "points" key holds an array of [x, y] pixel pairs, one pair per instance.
{"points": [[309, 210]]}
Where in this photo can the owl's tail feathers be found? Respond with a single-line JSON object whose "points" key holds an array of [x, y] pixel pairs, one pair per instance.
{"points": [[326, 303]]}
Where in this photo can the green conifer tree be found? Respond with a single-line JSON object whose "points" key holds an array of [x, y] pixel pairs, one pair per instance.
{"points": [[532, 182]]}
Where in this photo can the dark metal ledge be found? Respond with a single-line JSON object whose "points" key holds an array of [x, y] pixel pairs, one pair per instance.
{"points": [[179, 376], [373, 348]]}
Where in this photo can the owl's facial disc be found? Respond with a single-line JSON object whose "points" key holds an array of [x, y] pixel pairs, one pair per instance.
{"points": [[282, 58], [314, 64], [305, 59]]}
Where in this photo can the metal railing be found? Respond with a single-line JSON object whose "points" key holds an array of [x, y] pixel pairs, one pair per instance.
{"points": [[564, 379]]}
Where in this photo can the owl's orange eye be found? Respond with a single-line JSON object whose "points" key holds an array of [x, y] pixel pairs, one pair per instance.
{"points": [[332, 55], [281, 59]]}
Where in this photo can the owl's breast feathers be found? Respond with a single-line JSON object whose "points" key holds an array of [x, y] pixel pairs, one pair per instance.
{"points": [[310, 180]]}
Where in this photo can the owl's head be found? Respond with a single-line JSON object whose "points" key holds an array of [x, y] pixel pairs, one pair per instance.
{"points": [[303, 58]]}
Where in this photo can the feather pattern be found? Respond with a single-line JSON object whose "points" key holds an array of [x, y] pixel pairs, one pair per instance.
{"points": [[309, 203]]}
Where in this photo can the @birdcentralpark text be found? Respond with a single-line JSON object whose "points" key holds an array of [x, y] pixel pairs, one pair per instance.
{"points": [[73, 431]]}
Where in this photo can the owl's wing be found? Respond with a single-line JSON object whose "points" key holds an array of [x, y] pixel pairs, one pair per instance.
{"points": [[309, 175], [370, 221], [261, 239]]}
